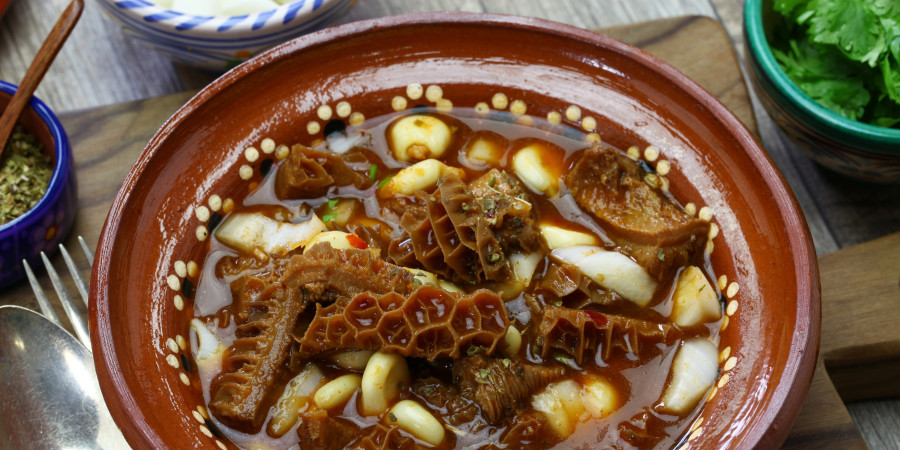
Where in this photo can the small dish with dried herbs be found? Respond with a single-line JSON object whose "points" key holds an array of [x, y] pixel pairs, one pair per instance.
{"points": [[37, 188]]}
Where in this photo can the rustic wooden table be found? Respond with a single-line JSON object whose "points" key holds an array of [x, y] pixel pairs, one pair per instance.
{"points": [[101, 66]]}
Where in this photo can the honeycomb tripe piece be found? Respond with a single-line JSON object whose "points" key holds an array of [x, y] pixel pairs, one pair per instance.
{"points": [[428, 323], [577, 331]]}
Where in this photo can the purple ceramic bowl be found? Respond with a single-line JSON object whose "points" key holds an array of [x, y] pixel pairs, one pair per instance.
{"points": [[49, 221]]}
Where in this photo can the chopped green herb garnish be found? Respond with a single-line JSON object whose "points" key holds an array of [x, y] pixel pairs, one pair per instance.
{"points": [[701, 288], [505, 362], [562, 359], [332, 204], [383, 182], [465, 206], [492, 182], [329, 217], [660, 255], [373, 169], [416, 282], [476, 350]]}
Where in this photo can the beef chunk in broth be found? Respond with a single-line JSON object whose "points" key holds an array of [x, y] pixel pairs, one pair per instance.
{"points": [[656, 232]]}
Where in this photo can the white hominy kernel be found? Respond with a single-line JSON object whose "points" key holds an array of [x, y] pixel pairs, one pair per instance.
{"points": [[184, 379], [198, 417], [554, 117], [651, 153], [518, 107], [313, 127], [434, 93], [282, 151], [205, 431], [732, 289], [173, 282], [180, 268], [246, 172], [573, 113], [709, 247], [705, 213], [414, 91], [203, 411], [482, 108], [324, 112], [227, 205], [724, 354], [663, 167], [173, 347], [251, 153], [215, 202], [267, 145], [500, 101], [179, 302], [593, 138], [712, 393], [173, 361], [343, 109], [589, 123], [723, 282], [724, 323], [182, 344], [221, 445], [192, 269], [398, 103]]}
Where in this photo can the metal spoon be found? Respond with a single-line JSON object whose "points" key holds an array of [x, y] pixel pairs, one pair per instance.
{"points": [[48, 386]]}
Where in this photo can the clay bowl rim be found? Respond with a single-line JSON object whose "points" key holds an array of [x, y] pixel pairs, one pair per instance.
{"points": [[62, 152], [774, 422], [824, 121]]}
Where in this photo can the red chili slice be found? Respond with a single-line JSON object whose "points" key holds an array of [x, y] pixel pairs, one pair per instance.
{"points": [[356, 242]]}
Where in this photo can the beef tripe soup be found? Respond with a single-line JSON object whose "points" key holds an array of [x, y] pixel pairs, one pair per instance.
{"points": [[437, 279]]}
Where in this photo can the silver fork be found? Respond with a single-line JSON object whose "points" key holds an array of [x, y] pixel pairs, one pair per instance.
{"points": [[78, 324]]}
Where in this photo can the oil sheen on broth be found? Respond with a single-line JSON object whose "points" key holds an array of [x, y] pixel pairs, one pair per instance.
{"points": [[457, 281]]}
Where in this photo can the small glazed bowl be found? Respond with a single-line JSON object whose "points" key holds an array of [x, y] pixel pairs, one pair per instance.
{"points": [[218, 43], [849, 147], [45, 225], [197, 166]]}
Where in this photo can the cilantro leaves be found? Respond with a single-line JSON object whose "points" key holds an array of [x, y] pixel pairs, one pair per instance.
{"points": [[845, 54]]}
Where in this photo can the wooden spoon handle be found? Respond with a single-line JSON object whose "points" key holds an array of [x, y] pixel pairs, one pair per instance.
{"points": [[38, 68]]}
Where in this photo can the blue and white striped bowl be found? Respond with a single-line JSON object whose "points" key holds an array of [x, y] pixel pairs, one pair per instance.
{"points": [[218, 43]]}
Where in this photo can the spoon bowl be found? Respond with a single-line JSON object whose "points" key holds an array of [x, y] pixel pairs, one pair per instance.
{"points": [[51, 398]]}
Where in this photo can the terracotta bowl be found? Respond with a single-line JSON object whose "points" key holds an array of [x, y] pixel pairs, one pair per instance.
{"points": [[144, 278]]}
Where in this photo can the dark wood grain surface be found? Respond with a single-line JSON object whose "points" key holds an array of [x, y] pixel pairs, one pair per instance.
{"points": [[101, 66]]}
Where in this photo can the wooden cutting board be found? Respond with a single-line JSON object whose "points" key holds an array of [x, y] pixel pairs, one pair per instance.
{"points": [[860, 352]]}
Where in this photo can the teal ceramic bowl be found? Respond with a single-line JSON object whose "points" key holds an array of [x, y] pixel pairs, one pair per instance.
{"points": [[855, 149]]}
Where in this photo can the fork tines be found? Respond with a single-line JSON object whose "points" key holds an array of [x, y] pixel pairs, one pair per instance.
{"points": [[78, 324]]}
